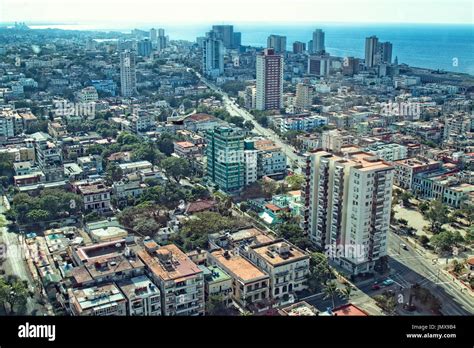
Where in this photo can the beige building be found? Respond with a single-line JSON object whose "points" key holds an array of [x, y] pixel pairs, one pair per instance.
{"points": [[347, 207], [250, 286], [180, 280], [102, 300], [287, 266]]}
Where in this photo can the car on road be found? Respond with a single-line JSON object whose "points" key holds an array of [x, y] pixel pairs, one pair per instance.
{"points": [[388, 282], [375, 286], [404, 246]]}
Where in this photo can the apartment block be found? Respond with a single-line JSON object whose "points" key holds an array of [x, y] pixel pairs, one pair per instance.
{"points": [[180, 280], [347, 207], [287, 266]]}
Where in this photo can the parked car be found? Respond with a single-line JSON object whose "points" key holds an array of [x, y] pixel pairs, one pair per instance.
{"points": [[375, 286], [388, 282]]}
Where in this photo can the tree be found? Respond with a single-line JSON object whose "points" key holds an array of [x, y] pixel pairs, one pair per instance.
{"points": [[114, 173], [37, 215], [320, 271], [195, 231], [14, 292], [437, 215], [405, 197], [347, 291], [249, 125], [215, 305], [387, 302], [127, 139], [444, 241], [330, 291], [295, 181], [176, 167]]}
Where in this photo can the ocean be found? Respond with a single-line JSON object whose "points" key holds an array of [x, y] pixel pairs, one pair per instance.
{"points": [[441, 46]]}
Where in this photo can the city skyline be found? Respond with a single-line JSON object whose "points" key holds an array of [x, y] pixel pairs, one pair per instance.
{"points": [[184, 11]]}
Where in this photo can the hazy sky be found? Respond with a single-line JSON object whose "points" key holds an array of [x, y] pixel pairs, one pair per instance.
{"points": [[235, 11]]}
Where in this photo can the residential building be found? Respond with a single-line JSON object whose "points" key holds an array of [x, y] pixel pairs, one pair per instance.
{"points": [[180, 280], [287, 266], [213, 56], [95, 196], [299, 47], [217, 283], [128, 74], [48, 157], [406, 169], [347, 206], [225, 162], [250, 286], [388, 152], [334, 140], [142, 295], [277, 43], [101, 300], [304, 96], [269, 81], [318, 42]]}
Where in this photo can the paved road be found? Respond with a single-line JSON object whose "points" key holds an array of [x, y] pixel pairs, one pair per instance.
{"points": [[413, 266], [235, 110]]}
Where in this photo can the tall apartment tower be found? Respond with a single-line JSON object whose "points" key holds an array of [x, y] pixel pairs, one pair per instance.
{"points": [[299, 47], [304, 96], [371, 45], [128, 74], [347, 202], [226, 34], [318, 42], [161, 40], [213, 55], [269, 80], [153, 35], [277, 42], [385, 52], [225, 157]]}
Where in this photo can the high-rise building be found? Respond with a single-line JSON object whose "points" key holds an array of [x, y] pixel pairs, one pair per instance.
{"points": [[144, 48], [385, 51], [377, 52], [269, 80], [213, 56], [350, 66], [304, 96], [224, 33], [319, 65], [153, 35], [371, 45], [128, 74], [318, 42], [162, 40], [347, 202], [299, 47], [237, 40], [225, 157], [277, 42]]}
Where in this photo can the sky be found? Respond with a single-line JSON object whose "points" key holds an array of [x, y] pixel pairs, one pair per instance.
{"points": [[236, 11]]}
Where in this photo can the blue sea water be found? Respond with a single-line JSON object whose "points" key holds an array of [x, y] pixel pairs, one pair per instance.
{"points": [[434, 46]]}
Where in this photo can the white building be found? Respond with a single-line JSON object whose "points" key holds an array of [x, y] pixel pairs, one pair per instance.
{"points": [[388, 152], [347, 207], [128, 74], [143, 297], [287, 266], [213, 56]]}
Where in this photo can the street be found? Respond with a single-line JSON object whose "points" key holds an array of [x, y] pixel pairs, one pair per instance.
{"points": [[412, 266], [235, 110]]}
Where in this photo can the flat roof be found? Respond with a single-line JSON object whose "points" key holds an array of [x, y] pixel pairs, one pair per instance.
{"points": [[279, 252], [179, 267], [238, 266]]}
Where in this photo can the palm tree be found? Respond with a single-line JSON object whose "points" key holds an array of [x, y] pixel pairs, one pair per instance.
{"points": [[330, 290], [347, 291]]}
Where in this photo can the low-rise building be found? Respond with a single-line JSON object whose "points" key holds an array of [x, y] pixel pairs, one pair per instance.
{"points": [[101, 300], [180, 280], [287, 266], [143, 297], [250, 286]]}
